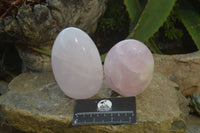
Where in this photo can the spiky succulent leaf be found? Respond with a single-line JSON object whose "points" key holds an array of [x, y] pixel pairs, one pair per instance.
{"points": [[191, 20], [134, 10], [103, 56], [195, 102], [198, 99], [152, 46], [151, 19]]}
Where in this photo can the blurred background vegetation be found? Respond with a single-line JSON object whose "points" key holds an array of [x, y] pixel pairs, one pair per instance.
{"points": [[166, 27]]}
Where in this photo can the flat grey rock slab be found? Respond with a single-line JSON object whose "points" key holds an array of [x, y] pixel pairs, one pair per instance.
{"points": [[35, 103]]}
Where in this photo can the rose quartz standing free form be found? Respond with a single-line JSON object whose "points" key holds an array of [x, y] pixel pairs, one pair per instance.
{"points": [[76, 64], [129, 67]]}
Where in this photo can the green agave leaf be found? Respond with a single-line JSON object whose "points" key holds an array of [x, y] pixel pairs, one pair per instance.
{"points": [[103, 56], [40, 51], [197, 108], [195, 102], [153, 16], [198, 100], [134, 10], [152, 46], [191, 20]]}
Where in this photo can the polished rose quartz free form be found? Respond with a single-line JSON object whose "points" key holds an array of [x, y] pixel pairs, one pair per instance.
{"points": [[129, 67], [76, 64]]}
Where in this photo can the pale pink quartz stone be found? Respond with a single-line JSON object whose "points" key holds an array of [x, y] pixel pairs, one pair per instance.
{"points": [[129, 67], [76, 64]]}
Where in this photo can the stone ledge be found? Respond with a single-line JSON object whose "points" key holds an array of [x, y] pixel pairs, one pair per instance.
{"points": [[36, 104], [183, 69]]}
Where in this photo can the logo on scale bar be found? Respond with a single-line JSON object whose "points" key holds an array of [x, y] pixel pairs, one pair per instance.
{"points": [[104, 105]]}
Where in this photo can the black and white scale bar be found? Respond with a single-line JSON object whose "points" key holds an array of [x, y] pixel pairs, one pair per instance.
{"points": [[105, 111]]}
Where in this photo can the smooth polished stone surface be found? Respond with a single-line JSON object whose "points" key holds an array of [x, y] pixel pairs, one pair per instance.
{"points": [[76, 64], [129, 67]]}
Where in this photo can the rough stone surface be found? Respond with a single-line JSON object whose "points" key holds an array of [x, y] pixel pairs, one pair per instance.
{"points": [[193, 124], [36, 104], [39, 26], [183, 69], [33, 61], [3, 87], [42, 23]]}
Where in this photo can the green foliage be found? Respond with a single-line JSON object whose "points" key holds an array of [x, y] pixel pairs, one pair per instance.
{"points": [[169, 27], [152, 14], [114, 18], [108, 23], [134, 10], [152, 18], [147, 20], [173, 33], [40, 51], [152, 46], [49, 53], [103, 56], [191, 20], [195, 102]]}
